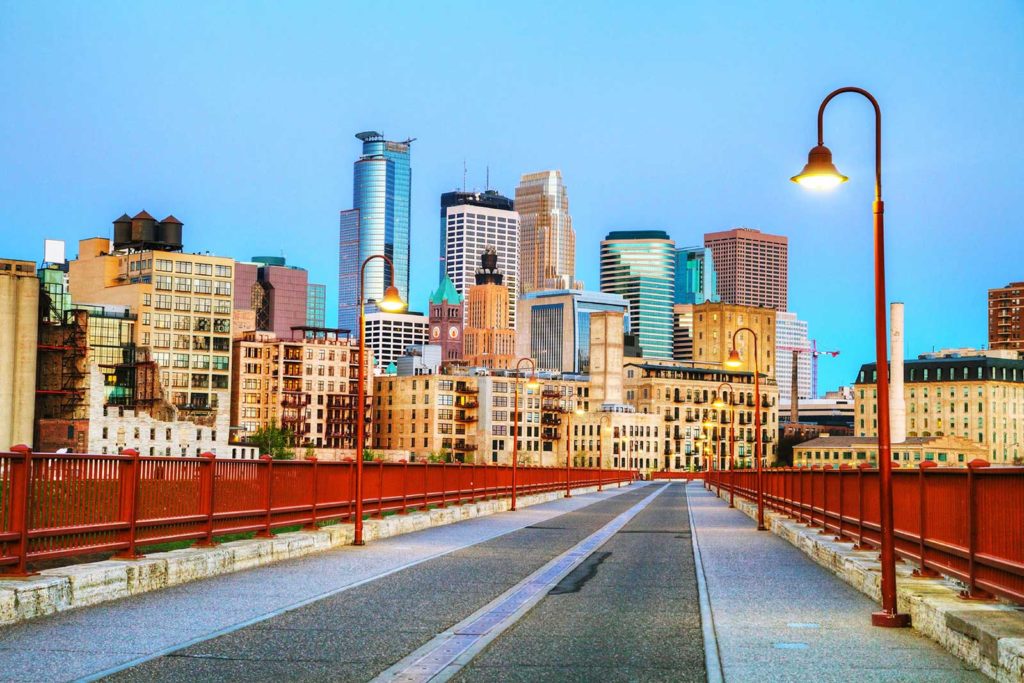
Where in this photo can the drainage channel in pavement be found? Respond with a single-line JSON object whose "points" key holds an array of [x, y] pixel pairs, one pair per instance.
{"points": [[444, 655]]}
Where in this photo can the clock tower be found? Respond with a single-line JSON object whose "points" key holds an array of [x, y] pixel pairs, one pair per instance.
{"points": [[446, 320]]}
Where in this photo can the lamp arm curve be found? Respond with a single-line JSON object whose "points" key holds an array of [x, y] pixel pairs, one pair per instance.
{"points": [[878, 129]]}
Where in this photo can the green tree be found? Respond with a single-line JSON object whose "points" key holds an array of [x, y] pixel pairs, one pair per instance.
{"points": [[274, 441]]}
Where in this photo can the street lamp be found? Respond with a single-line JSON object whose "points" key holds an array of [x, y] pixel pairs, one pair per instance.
{"points": [[720, 405], [532, 385], [734, 362], [706, 426], [391, 302], [821, 174], [606, 419], [568, 446]]}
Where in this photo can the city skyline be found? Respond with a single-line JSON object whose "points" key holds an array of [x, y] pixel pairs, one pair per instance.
{"points": [[247, 188]]}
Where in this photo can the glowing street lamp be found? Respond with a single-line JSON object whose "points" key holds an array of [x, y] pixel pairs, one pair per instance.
{"points": [[391, 302], [721, 405], [734, 363], [821, 174]]}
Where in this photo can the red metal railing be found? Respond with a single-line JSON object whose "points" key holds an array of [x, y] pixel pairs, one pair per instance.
{"points": [[963, 523], [688, 476], [61, 505]]}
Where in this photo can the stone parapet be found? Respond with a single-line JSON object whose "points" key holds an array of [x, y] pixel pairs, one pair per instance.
{"points": [[81, 585], [988, 635]]}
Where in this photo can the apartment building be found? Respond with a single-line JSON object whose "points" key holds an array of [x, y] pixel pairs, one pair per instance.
{"points": [[306, 384], [979, 398]]}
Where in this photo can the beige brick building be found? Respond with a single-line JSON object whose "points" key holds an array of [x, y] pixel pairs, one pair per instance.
{"points": [[715, 324], [683, 395], [978, 398], [945, 451], [19, 316], [183, 304]]}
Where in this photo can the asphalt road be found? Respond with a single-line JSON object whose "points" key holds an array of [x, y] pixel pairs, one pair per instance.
{"points": [[628, 613], [356, 634]]}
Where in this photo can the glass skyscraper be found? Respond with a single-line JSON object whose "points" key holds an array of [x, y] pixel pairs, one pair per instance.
{"points": [[378, 223], [696, 281], [640, 265]]}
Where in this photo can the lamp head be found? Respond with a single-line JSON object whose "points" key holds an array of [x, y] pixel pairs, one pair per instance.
{"points": [[734, 362], [580, 411], [532, 384], [392, 301], [718, 404], [819, 173]]}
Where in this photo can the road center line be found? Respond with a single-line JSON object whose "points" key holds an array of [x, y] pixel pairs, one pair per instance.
{"points": [[449, 651]]}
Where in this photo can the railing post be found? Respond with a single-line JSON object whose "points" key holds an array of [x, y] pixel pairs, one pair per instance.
{"points": [[268, 494], [922, 499], [444, 487], [426, 486], [458, 483], [21, 474], [973, 592], [860, 506], [840, 536], [206, 466], [311, 525], [129, 487], [405, 487], [824, 501], [810, 516], [472, 483], [380, 489]]}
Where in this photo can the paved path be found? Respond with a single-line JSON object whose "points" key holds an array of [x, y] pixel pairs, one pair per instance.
{"points": [[778, 616], [81, 643], [630, 613]]}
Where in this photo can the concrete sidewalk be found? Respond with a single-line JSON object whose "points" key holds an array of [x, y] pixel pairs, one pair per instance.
{"points": [[780, 617], [82, 643]]}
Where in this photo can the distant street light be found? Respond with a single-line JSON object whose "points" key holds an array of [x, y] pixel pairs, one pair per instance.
{"points": [[821, 174], [606, 419], [531, 385], [391, 302], [734, 362]]}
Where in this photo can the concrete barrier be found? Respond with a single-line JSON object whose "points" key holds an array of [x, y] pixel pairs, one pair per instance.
{"points": [[988, 635], [81, 585]]}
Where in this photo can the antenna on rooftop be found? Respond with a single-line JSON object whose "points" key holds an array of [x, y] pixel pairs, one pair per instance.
{"points": [[488, 185]]}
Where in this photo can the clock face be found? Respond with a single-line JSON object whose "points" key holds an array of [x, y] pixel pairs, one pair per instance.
{"points": [[436, 332], [453, 332]]}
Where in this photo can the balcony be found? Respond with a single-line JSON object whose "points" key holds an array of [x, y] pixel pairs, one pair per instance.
{"points": [[670, 417], [549, 435], [463, 447], [551, 420], [468, 405], [466, 390], [465, 419], [551, 393]]}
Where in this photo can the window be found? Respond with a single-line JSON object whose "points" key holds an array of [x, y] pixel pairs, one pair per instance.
{"points": [[184, 266]]}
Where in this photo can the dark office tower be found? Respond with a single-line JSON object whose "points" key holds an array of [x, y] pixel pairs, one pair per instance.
{"points": [[378, 223]]}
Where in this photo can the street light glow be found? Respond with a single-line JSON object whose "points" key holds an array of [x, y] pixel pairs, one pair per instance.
{"points": [[819, 173], [733, 362], [392, 301]]}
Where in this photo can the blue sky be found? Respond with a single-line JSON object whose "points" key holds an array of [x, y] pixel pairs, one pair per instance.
{"points": [[688, 117]]}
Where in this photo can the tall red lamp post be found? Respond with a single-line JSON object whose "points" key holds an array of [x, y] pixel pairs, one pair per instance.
{"points": [[821, 174], [532, 385], [721, 405], [391, 302], [606, 419], [734, 362]]}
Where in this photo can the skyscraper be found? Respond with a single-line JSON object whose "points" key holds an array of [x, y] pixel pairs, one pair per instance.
{"points": [[1006, 317], [547, 242], [378, 223], [791, 336], [554, 327], [752, 267], [470, 223], [640, 265], [696, 281]]}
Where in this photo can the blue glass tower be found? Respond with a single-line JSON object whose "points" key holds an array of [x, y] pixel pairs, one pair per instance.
{"points": [[696, 281], [378, 223]]}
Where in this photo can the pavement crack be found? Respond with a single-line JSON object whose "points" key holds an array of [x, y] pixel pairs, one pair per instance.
{"points": [[574, 580]]}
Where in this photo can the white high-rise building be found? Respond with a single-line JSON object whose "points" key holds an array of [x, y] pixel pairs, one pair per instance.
{"points": [[388, 335], [790, 336], [470, 223]]}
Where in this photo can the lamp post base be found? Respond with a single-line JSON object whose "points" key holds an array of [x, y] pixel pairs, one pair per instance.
{"points": [[762, 527], [890, 620]]}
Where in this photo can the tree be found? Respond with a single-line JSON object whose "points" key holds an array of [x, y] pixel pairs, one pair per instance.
{"points": [[273, 441]]}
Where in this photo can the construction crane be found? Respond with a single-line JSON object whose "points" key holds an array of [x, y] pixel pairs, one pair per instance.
{"points": [[794, 397]]}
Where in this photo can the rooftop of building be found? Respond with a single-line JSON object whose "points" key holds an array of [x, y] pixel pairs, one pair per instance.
{"points": [[825, 441], [446, 292], [637, 235], [928, 370], [600, 297]]}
